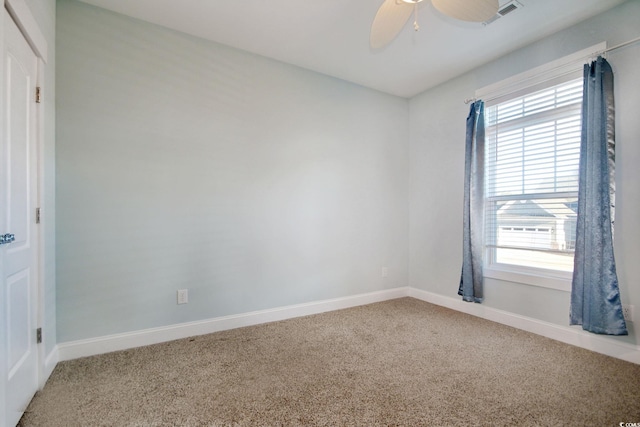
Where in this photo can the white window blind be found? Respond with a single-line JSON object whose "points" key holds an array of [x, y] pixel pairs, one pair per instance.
{"points": [[531, 177]]}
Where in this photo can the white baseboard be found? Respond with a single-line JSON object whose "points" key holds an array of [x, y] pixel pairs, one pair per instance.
{"points": [[566, 334], [570, 335], [105, 344]]}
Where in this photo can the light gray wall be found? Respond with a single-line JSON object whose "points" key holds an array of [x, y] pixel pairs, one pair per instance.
{"points": [[437, 132], [186, 164], [44, 12]]}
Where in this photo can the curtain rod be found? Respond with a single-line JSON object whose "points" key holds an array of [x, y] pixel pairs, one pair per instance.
{"points": [[598, 53], [632, 41]]}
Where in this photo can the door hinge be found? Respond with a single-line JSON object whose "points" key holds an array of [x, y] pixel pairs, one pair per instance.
{"points": [[37, 215], [38, 95], [39, 335]]}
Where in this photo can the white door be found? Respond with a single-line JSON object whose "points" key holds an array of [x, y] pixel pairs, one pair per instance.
{"points": [[18, 196]]}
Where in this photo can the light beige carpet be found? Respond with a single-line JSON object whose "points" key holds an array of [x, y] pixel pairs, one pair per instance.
{"points": [[402, 362]]}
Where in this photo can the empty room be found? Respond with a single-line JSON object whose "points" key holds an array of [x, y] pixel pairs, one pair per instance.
{"points": [[345, 212]]}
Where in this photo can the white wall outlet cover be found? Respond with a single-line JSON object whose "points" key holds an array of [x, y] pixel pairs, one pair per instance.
{"points": [[628, 312], [183, 296], [385, 272]]}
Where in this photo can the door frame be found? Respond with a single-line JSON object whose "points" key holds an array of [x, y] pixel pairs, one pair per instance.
{"points": [[21, 14]]}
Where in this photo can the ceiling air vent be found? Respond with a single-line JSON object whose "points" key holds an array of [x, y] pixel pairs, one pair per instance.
{"points": [[504, 10]]}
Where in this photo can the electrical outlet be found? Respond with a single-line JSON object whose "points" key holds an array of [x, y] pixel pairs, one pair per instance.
{"points": [[183, 296], [384, 272], [627, 312]]}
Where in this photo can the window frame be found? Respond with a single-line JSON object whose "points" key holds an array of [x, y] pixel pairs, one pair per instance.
{"points": [[556, 72]]}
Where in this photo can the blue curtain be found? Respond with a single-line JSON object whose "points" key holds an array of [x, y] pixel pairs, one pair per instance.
{"points": [[595, 297], [471, 287]]}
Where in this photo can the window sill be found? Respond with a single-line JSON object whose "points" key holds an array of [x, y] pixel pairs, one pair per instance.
{"points": [[558, 280]]}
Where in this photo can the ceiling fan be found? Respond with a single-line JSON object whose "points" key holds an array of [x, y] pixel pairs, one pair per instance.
{"points": [[393, 15]]}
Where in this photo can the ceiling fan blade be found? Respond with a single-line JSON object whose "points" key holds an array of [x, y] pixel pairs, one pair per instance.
{"points": [[388, 22], [468, 10]]}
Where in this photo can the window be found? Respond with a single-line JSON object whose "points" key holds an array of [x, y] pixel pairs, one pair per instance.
{"points": [[531, 178], [532, 151]]}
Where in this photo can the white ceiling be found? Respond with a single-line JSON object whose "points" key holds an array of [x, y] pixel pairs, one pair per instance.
{"points": [[332, 36]]}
